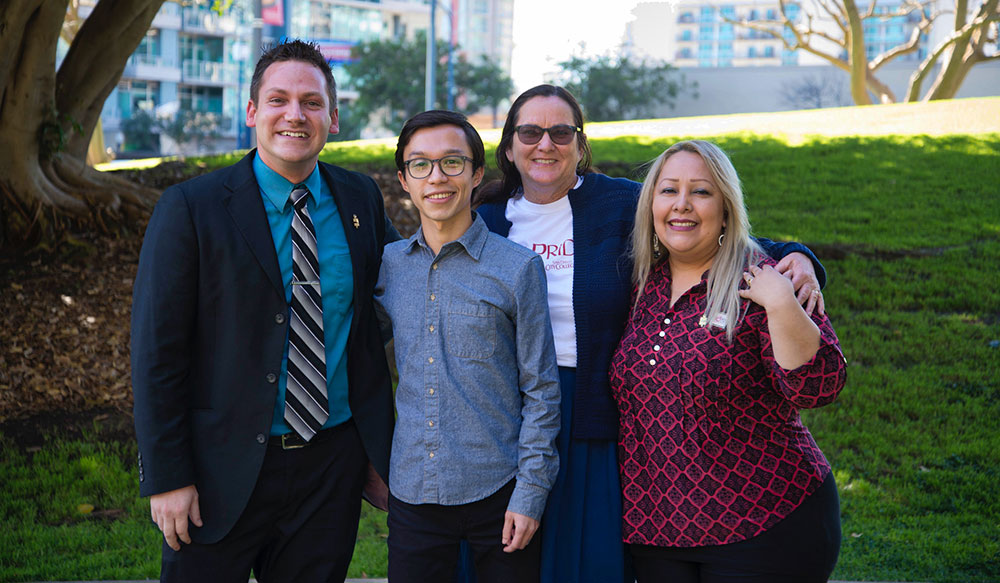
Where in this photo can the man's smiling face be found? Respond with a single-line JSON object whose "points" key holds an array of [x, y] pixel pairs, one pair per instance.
{"points": [[293, 117]]}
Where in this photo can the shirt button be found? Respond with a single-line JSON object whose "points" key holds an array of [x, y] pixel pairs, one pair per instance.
{"points": [[662, 334], [656, 348], [260, 438], [432, 297], [271, 377], [279, 318], [432, 327], [652, 362], [430, 424], [430, 360], [435, 266], [431, 455], [430, 391]]}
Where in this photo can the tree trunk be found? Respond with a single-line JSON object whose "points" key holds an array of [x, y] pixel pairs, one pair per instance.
{"points": [[46, 189], [965, 52], [95, 62], [856, 49]]}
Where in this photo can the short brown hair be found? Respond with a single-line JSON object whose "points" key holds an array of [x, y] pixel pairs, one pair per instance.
{"points": [[293, 50]]}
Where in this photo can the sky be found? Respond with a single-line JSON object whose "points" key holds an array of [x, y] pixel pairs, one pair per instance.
{"points": [[549, 31]]}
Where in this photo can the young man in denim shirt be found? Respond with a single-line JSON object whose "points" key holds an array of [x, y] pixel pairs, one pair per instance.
{"points": [[473, 454]]}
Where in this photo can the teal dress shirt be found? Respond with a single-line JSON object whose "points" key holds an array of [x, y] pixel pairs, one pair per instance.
{"points": [[336, 281]]}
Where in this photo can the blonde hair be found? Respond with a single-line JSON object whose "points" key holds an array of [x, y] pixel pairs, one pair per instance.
{"points": [[738, 249]]}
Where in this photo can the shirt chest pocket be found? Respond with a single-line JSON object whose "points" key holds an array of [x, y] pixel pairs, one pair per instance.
{"points": [[471, 330]]}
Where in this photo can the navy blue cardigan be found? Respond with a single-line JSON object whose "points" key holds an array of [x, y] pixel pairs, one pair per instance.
{"points": [[603, 214]]}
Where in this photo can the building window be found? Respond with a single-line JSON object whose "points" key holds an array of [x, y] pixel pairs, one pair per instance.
{"points": [[202, 99], [134, 96]]}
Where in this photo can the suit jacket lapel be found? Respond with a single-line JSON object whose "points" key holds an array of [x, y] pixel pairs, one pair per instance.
{"points": [[247, 210]]}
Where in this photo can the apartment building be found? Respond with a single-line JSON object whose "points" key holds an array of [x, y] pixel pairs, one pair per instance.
{"points": [[192, 59], [702, 34]]}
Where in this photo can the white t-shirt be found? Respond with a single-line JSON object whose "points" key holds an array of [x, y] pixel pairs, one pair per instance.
{"points": [[547, 229]]}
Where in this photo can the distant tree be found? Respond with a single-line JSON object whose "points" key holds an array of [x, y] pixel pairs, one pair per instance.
{"points": [[814, 92], [973, 34], [389, 76], [350, 123], [141, 133], [197, 128], [616, 88], [489, 85]]}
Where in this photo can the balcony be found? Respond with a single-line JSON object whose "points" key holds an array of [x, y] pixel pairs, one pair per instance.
{"points": [[209, 22], [209, 73], [151, 67], [169, 17]]}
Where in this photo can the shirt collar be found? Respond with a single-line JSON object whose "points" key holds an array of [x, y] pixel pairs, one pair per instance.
{"points": [[277, 188], [472, 240]]}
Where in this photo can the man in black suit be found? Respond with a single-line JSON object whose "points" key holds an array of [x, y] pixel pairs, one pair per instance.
{"points": [[254, 450]]}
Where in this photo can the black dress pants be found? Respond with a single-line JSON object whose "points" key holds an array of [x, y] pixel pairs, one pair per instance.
{"points": [[802, 548], [424, 542], [300, 524]]}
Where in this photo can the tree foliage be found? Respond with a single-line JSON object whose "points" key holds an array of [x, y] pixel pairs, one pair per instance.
{"points": [[618, 88], [389, 76], [973, 34]]}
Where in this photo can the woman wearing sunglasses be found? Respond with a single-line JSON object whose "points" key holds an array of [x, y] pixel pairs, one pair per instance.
{"points": [[580, 222]]}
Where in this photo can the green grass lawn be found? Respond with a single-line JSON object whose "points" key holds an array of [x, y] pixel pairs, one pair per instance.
{"points": [[909, 230]]}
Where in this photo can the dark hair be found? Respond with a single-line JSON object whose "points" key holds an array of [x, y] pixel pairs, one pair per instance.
{"points": [[293, 50], [511, 177], [439, 117]]}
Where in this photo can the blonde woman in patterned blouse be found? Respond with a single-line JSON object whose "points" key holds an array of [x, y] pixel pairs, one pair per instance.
{"points": [[721, 480]]}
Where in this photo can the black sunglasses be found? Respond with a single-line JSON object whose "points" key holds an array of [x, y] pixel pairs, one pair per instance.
{"points": [[561, 134]]}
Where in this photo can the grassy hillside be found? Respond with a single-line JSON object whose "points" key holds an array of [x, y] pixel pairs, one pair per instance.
{"points": [[908, 226]]}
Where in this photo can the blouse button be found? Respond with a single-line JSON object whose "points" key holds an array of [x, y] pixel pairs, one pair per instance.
{"points": [[662, 334], [666, 321], [652, 362], [656, 348]]}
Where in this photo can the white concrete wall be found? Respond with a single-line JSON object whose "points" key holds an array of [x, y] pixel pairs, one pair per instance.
{"points": [[758, 89]]}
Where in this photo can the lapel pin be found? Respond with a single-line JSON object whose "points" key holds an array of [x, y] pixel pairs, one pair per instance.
{"points": [[357, 223]]}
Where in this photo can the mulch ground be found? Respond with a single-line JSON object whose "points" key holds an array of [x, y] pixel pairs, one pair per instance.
{"points": [[64, 325], [64, 320]]}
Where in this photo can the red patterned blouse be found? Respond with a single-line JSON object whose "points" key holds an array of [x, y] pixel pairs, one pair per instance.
{"points": [[712, 449]]}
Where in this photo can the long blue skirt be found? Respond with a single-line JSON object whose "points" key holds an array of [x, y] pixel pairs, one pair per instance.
{"points": [[581, 529]]}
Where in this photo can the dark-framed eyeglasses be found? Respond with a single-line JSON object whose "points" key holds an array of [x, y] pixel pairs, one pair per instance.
{"points": [[561, 134], [449, 165]]}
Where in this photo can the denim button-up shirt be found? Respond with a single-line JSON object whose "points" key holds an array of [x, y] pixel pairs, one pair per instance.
{"points": [[478, 394]]}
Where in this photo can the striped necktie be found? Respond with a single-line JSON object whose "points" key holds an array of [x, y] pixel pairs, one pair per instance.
{"points": [[306, 407]]}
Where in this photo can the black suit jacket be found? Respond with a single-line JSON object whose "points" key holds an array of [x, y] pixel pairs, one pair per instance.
{"points": [[209, 327]]}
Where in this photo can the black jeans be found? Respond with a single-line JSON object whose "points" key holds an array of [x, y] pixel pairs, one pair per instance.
{"points": [[802, 548], [424, 542]]}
